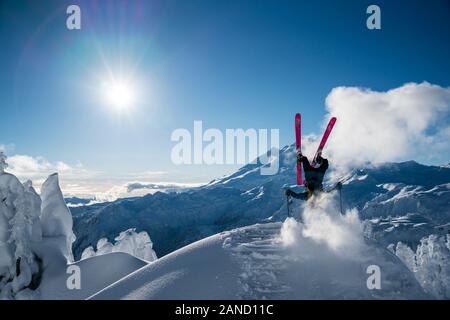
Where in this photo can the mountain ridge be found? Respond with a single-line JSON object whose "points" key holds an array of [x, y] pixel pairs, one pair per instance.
{"points": [[246, 197]]}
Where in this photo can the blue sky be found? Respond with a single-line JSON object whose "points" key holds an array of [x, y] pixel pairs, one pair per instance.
{"points": [[231, 64]]}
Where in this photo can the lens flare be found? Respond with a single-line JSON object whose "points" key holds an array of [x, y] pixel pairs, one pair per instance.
{"points": [[119, 95]]}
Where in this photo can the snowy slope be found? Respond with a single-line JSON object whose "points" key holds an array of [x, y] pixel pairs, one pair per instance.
{"points": [[256, 263], [198, 271], [96, 273]]}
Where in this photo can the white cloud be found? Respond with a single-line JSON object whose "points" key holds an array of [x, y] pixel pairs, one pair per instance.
{"points": [[409, 122], [77, 181], [103, 192], [151, 174], [37, 169], [27, 167], [132, 186]]}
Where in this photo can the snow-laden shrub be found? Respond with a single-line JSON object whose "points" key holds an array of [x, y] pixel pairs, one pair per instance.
{"points": [[128, 241], [19, 228], [3, 164], [26, 223], [430, 263]]}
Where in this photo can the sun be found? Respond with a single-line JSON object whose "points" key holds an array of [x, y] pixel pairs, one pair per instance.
{"points": [[119, 95]]}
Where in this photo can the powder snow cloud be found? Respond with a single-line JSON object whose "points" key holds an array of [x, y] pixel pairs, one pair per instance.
{"points": [[408, 122], [323, 223]]}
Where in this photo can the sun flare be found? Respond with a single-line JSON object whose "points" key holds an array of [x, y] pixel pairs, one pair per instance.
{"points": [[119, 95]]}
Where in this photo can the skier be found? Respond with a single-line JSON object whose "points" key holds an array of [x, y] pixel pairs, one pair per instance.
{"points": [[313, 177]]}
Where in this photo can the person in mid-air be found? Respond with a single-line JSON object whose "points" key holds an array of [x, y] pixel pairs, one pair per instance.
{"points": [[313, 177]]}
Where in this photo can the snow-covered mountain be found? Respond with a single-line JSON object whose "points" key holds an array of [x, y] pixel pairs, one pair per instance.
{"points": [[396, 202], [409, 191], [240, 199]]}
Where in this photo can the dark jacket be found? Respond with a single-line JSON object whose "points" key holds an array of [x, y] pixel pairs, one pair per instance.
{"points": [[314, 176], [313, 179]]}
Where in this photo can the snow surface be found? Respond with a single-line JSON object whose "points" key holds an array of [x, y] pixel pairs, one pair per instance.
{"points": [[95, 273], [325, 257]]}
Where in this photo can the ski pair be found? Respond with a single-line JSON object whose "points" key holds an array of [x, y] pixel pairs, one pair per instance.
{"points": [[298, 142]]}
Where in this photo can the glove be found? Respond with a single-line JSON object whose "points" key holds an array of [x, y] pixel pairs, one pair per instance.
{"points": [[299, 157]]}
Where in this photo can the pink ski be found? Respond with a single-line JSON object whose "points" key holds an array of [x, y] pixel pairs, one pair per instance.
{"points": [[325, 136], [298, 144]]}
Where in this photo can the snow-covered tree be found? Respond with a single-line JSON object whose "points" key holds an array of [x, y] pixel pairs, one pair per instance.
{"points": [[19, 227], [128, 241], [56, 218], [34, 233], [3, 164], [430, 263]]}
